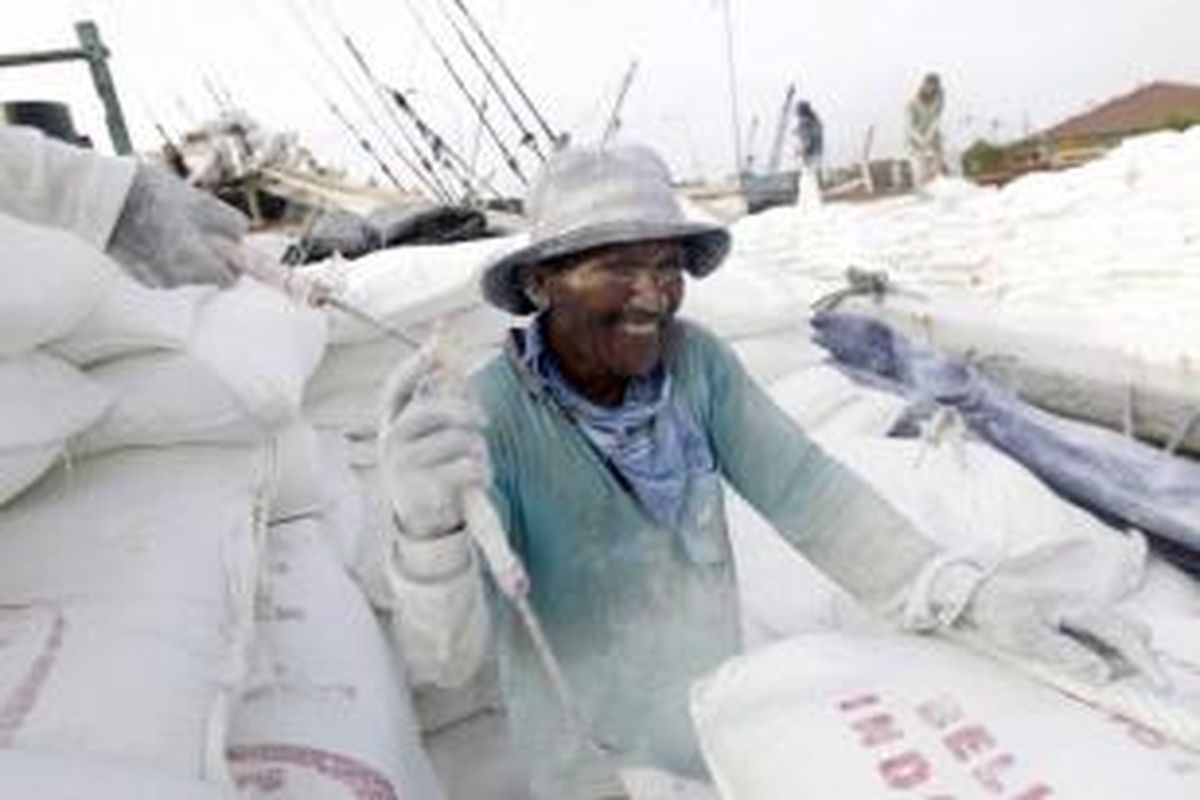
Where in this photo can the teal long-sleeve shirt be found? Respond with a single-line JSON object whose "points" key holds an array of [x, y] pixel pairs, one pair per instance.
{"points": [[637, 612]]}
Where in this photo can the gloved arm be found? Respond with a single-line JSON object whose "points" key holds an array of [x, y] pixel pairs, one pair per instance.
{"points": [[833, 517], [57, 185], [430, 451], [169, 233], [846, 530]]}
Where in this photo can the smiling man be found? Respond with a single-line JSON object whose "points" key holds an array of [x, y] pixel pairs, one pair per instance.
{"points": [[608, 428]]}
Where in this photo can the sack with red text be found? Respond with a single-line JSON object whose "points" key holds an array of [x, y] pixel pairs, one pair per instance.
{"points": [[836, 716], [326, 713]]}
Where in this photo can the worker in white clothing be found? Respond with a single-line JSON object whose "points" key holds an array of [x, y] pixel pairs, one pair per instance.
{"points": [[603, 435], [923, 132], [162, 231]]}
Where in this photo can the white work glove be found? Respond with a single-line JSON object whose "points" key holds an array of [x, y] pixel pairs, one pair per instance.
{"points": [[169, 233], [1018, 613], [1080, 637], [431, 448]]}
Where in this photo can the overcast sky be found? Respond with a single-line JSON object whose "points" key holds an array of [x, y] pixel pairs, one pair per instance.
{"points": [[1007, 66]]}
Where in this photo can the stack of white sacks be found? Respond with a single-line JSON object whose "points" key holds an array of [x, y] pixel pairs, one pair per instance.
{"points": [[1107, 253], [842, 708], [174, 618]]}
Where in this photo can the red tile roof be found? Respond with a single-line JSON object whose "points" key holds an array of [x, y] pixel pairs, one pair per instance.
{"points": [[1151, 106]]}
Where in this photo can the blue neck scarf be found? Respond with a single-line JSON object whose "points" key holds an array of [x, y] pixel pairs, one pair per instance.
{"points": [[651, 438]]}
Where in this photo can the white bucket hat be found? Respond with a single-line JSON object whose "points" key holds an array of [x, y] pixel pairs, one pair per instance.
{"points": [[586, 198]]}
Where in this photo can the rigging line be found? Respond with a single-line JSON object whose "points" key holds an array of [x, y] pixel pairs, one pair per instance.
{"points": [[377, 87], [477, 139], [509, 159], [330, 106], [437, 191], [466, 12], [614, 119], [380, 94], [363, 106], [447, 153], [364, 143], [527, 137], [213, 94]]}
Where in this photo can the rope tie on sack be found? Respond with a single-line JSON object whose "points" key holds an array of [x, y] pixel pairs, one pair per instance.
{"points": [[860, 283]]}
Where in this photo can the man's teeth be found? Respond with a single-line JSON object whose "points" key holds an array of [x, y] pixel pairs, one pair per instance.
{"points": [[641, 327]]}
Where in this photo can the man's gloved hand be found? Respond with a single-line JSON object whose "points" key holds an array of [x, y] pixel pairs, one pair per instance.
{"points": [[166, 232], [431, 448], [1079, 636]]}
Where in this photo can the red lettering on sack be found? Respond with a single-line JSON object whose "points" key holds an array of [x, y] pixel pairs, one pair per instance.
{"points": [[940, 713], [1147, 737], [987, 774], [855, 703], [969, 741], [1039, 792], [905, 771], [877, 730]]}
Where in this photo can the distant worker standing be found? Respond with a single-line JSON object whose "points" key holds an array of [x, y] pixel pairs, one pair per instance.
{"points": [[810, 148], [810, 136], [923, 130]]}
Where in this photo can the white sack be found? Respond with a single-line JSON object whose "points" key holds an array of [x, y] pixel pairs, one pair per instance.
{"points": [[412, 284], [43, 402], [820, 399], [299, 486], [45, 775], [126, 596], [241, 379], [972, 499], [51, 281], [133, 318], [163, 399], [344, 392], [346, 509], [327, 713], [832, 716], [263, 345]]}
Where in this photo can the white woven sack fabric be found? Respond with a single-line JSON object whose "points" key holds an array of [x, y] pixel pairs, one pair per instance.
{"points": [[821, 399], [410, 285], [126, 597], [327, 714], [346, 509], [43, 402], [241, 379], [972, 499], [299, 488], [132, 319], [46, 775], [263, 345], [344, 392], [834, 716], [163, 399], [51, 282]]}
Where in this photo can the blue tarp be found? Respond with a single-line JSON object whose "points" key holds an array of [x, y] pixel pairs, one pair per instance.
{"points": [[1126, 482]]}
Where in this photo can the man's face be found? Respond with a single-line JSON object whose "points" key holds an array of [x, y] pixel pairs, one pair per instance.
{"points": [[610, 309]]}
